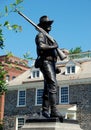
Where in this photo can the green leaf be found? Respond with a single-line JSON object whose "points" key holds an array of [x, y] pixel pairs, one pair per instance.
{"points": [[6, 9], [27, 56], [1, 45], [0, 31], [6, 23], [18, 1], [3, 85], [9, 54], [75, 50], [14, 26]]}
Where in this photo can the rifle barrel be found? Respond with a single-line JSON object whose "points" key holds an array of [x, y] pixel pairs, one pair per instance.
{"points": [[60, 53]]}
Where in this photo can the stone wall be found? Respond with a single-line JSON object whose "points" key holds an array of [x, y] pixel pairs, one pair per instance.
{"points": [[9, 123], [11, 107], [12, 111], [82, 95]]}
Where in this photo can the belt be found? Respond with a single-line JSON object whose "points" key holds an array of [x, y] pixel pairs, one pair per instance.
{"points": [[49, 58]]}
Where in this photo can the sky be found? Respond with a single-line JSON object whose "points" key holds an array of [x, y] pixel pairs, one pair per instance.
{"points": [[71, 27]]}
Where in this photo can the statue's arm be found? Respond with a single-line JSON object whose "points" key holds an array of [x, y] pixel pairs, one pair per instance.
{"points": [[41, 43]]}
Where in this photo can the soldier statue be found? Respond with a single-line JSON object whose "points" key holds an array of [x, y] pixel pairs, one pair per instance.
{"points": [[47, 56]]}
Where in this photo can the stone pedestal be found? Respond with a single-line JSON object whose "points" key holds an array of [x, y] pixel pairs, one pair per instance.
{"points": [[50, 124]]}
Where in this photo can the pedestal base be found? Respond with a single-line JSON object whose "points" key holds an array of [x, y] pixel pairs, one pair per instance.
{"points": [[50, 124]]}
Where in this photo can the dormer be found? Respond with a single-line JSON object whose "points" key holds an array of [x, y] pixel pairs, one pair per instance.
{"points": [[72, 67], [36, 73]]}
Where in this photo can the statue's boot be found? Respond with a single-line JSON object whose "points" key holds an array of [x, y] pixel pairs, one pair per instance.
{"points": [[45, 107], [54, 112]]}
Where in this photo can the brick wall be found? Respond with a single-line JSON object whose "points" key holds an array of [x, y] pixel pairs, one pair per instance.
{"points": [[13, 69], [2, 97]]}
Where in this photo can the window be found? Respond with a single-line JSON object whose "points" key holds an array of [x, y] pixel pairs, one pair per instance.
{"points": [[35, 74], [16, 62], [21, 98], [70, 69], [39, 96], [10, 60], [73, 69], [20, 123], [64, 95], [7, 78], [13, 77]]}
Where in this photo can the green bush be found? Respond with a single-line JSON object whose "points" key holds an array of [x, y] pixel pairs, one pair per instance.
{"points": [[1, 126], [3, 85]]}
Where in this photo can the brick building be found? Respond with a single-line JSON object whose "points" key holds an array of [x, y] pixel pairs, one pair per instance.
{"points": [[14, 67], [24, 96]]}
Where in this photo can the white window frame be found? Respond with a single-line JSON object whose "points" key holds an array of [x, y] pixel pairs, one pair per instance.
{"points": [[36, 103], [17, 121], [64, 95], [70, 71], [37, 74], [18, 105], [7, 78]]}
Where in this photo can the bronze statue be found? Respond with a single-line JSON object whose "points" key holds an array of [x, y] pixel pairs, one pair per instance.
{"points": [[47, 51], [47, 55]]}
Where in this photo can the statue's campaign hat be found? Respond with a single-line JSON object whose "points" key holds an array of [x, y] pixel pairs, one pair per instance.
{"points": [[44, 20]]}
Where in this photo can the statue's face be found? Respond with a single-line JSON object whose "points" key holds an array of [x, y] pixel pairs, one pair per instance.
{"points": [[47, 28]]}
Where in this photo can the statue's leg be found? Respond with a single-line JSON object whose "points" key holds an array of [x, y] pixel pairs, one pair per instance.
{"points": [[45, 103], [50, 78], [54, 111]]}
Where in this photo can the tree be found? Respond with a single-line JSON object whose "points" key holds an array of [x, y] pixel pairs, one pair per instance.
{"points": [[7, 10], [16, 28], [75, 51], [3, 85]]}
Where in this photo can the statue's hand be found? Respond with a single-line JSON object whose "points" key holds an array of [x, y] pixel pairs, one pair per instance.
{"points": [[58, 70]]}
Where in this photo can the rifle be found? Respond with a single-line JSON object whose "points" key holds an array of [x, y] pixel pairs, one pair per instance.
{"points": [[61, 55]]}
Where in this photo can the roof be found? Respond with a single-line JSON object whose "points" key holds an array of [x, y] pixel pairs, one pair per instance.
{"points": [[3, 56], [83, 74], [72, 62], [5, 59], [19, 79]]}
